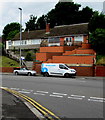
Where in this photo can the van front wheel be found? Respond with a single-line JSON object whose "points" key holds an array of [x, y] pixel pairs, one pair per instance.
{"points": [[67, 75], [46, 74]]}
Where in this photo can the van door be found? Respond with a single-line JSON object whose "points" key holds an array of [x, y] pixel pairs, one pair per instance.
{"points": [[60, 70]]}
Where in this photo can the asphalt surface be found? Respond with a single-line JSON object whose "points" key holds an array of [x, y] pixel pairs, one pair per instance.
{"points": [[56, 94], [13, 108]]}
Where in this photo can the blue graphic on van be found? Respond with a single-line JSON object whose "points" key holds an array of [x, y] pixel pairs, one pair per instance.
{"points": [[44, 69]]}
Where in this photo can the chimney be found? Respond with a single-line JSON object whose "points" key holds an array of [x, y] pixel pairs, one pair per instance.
{"points": [[47, 28]]}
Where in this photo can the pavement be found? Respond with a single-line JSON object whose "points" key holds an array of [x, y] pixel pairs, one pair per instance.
{"points": [[82, 77], [14, 108]]}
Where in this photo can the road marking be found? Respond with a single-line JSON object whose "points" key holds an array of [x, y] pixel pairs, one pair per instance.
{"points": [[27, 90], [95, 100], [75, 98], [59, 93], [42, 92], [39, 94], [15, 88], [23, 92], [79, 96], [56, 96]]}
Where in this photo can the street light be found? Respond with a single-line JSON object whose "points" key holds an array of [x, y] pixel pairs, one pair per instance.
{"points": [[20, 33]]}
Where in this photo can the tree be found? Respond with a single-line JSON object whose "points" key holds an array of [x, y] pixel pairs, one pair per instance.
{"points": [[64, 13], [2, 52], [97, 39], [12, 34], [28, 57], [97, 21], [9, 28], [41, 23], [86, 14], [31, 24]]}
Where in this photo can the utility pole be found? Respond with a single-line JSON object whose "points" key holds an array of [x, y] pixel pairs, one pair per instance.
{"points": [[20, 33]]}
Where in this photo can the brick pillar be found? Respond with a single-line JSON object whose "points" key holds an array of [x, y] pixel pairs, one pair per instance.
{"points": [[62, 41], [85, 39], [73, 40]]}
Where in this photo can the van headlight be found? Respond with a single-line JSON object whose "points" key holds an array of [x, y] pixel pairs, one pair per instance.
{"points": [[73, 71]]}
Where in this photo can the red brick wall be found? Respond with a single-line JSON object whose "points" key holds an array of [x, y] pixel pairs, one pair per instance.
{"points": [[52, 49], [37, 67], [46, 56], [84, 70], [41, 56], [74, 59], [86, 46], [100, 71], [85, 51], [7, 69], [56, 49]]}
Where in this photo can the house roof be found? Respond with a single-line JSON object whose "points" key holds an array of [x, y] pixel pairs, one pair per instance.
{"points": [[63, 30]]}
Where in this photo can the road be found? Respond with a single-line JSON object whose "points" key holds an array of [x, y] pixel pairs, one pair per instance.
{"points": [[78, 97]]}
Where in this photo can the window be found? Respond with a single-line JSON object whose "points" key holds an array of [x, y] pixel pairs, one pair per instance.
{"points": [[16, 43], [36, 41], [78, 38], [53, 40], [9, 43], [68, 39], [63, 67]]}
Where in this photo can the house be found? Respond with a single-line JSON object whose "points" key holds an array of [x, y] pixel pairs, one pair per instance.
{"points": [[62, 44], [58, 36], [68, 44]]}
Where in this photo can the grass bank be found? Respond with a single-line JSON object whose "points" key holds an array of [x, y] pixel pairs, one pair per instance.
{"points": [[7, 62]]}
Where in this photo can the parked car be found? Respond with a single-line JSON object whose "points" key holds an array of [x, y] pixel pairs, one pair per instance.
{"points": [[57, 69], [24, 71]]}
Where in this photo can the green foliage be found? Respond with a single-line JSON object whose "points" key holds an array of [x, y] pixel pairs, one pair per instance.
{"points": [[65, 13], [28, 57], [97, 39], [97, 21], [31, 24], [100, 59], [41, 22], [9, 28], [86, 14], [12, 34], [2, 49]]}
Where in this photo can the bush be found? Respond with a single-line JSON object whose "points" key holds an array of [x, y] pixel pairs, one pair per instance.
{"points": [[28, 57]]}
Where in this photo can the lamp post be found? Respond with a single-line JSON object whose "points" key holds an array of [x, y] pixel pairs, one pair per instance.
{"points": [[20, 33]]}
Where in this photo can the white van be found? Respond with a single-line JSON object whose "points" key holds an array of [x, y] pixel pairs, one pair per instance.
{"points": [[57, 69]]}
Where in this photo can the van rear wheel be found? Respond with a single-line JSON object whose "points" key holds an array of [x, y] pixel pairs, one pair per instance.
{"points": [[46, 74]]}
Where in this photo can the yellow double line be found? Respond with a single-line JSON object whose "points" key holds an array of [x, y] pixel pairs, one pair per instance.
{"points": [[46, 113]]}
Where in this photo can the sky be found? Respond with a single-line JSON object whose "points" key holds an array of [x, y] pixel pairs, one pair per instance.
{"points": [[9, 11]]}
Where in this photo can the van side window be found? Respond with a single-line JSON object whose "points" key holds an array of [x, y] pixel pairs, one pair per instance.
{"points": [[62, 67]]}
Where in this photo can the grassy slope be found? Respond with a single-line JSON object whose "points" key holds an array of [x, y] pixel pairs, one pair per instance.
{"points": [[7, 62]]}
